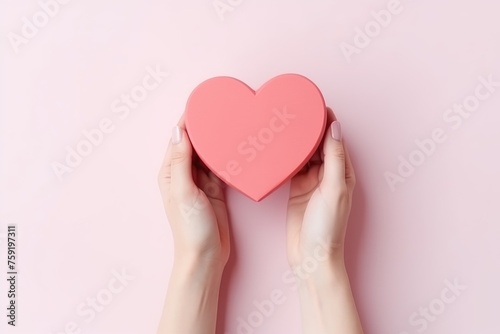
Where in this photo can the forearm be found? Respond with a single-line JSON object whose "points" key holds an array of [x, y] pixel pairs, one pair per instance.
{"points": [[192, 298], [327, 303]]}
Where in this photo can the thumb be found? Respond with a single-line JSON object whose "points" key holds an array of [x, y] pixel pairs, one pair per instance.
{"points": [[334, 158], [180, 161]]}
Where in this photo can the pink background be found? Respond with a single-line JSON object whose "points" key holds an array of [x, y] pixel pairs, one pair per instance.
{"points": [[75, 233]]}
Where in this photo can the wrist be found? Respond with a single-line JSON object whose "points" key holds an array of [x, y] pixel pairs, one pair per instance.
{"points": [[327, 303], [317, 259], [322, 286], [191, 265], [192, 296], [325, 275]]}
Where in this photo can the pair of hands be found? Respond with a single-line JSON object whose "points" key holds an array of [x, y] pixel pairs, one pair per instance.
{"points": [[318, 207]]}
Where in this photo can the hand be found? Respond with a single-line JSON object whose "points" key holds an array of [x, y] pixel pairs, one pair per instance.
{"points": [[194, 203], [318, 210], [320, 200]]}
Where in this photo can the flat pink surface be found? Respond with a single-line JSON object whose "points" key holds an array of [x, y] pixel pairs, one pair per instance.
{"points": [[102, 64]]}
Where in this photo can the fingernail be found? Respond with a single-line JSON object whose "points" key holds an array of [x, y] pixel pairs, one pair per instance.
{"points": [[336, 131], [176, 135]]}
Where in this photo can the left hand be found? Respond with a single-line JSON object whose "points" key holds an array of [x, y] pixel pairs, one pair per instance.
{"points": [[194, 203]]}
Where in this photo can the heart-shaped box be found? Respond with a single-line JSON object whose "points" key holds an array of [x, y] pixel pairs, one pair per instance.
{"points": [[256, 140]]}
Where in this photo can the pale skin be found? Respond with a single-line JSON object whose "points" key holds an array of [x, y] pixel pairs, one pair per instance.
{"points": [[318, 211]]}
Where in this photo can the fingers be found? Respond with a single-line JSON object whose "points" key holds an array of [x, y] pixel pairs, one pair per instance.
{"points": [[317, 157], [330, 117], [176, 171], [350, 176], [181, 161], [334, 172], [211, 185]]}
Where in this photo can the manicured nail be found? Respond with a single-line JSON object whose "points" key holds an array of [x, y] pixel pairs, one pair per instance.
{"points": [[176, 135], [336, 131]]}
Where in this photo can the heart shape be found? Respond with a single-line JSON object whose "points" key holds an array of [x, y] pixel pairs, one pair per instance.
{"points": [[256, 140]]}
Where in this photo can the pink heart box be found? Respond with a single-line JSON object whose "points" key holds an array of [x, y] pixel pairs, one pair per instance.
{"points": [[256, 140]]}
